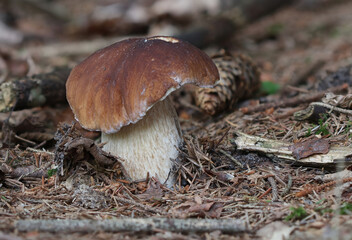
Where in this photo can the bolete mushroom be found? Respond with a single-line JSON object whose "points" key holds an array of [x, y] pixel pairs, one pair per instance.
{"points": [[122, 90]]}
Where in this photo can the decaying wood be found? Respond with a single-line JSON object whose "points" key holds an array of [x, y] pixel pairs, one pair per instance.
{"points": [[315, 111], [132, 224], [289, 102], [38, 90], [282, 150], [30, 171]]}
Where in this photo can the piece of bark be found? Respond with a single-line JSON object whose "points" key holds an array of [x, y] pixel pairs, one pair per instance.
{"points": [[38, 90], [132, 225], [25, 171], [29, 171]]}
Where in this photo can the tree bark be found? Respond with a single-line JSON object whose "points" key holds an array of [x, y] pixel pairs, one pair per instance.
{"points": [[38, 90]]}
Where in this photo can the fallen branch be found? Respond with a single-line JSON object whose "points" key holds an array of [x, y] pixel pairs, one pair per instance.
{"points": [[38, 90], [132, 224], [315, 111], [289, 102], [283, 150]]}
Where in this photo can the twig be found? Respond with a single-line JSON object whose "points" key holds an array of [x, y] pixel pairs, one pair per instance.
{"points": [[39, 151], [332, 108], [25, 140], [232, 158], [272, 182], [265, 193], [131, 224], [288, 186], [294, 101], [321, 187], [222, 137]]}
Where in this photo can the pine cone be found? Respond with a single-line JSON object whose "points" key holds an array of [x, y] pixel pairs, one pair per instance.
{"points": [[239, 78]]}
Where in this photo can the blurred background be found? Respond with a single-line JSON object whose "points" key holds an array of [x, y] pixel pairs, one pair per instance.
{"points": [[290, 40]]}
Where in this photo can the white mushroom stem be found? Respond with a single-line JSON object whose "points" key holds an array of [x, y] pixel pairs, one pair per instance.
{"points": [[150, 145]]}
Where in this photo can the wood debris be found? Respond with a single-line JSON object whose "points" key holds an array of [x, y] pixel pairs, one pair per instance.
{"points": [[38, 90], [284, 151]]}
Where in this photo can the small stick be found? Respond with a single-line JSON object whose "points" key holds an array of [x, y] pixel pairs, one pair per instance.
{"points": [[265, 193], [232, 158], [222, 138], [272, 182], [319, 188], [288, 186], [132, 225], [332, 108], [25, 140], [295, 100]]}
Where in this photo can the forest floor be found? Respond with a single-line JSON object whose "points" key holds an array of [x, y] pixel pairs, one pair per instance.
{"points": [[273, 193]]}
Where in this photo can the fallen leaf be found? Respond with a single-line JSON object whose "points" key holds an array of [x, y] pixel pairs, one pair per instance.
{"points": [[209, 209], [204, 207], [215, 210], [154, 191]]}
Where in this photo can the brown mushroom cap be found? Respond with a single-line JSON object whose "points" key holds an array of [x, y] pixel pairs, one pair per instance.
{"points": [[117, 85]]}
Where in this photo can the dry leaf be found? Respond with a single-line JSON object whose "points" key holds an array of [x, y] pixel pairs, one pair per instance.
{"points": [[153, 191], [310, 147]]}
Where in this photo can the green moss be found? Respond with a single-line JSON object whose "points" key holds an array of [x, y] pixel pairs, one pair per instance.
{"points": [[296, 213]]}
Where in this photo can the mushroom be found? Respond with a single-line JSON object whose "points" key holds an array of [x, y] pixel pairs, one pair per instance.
{"points": [[122, 90]]}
